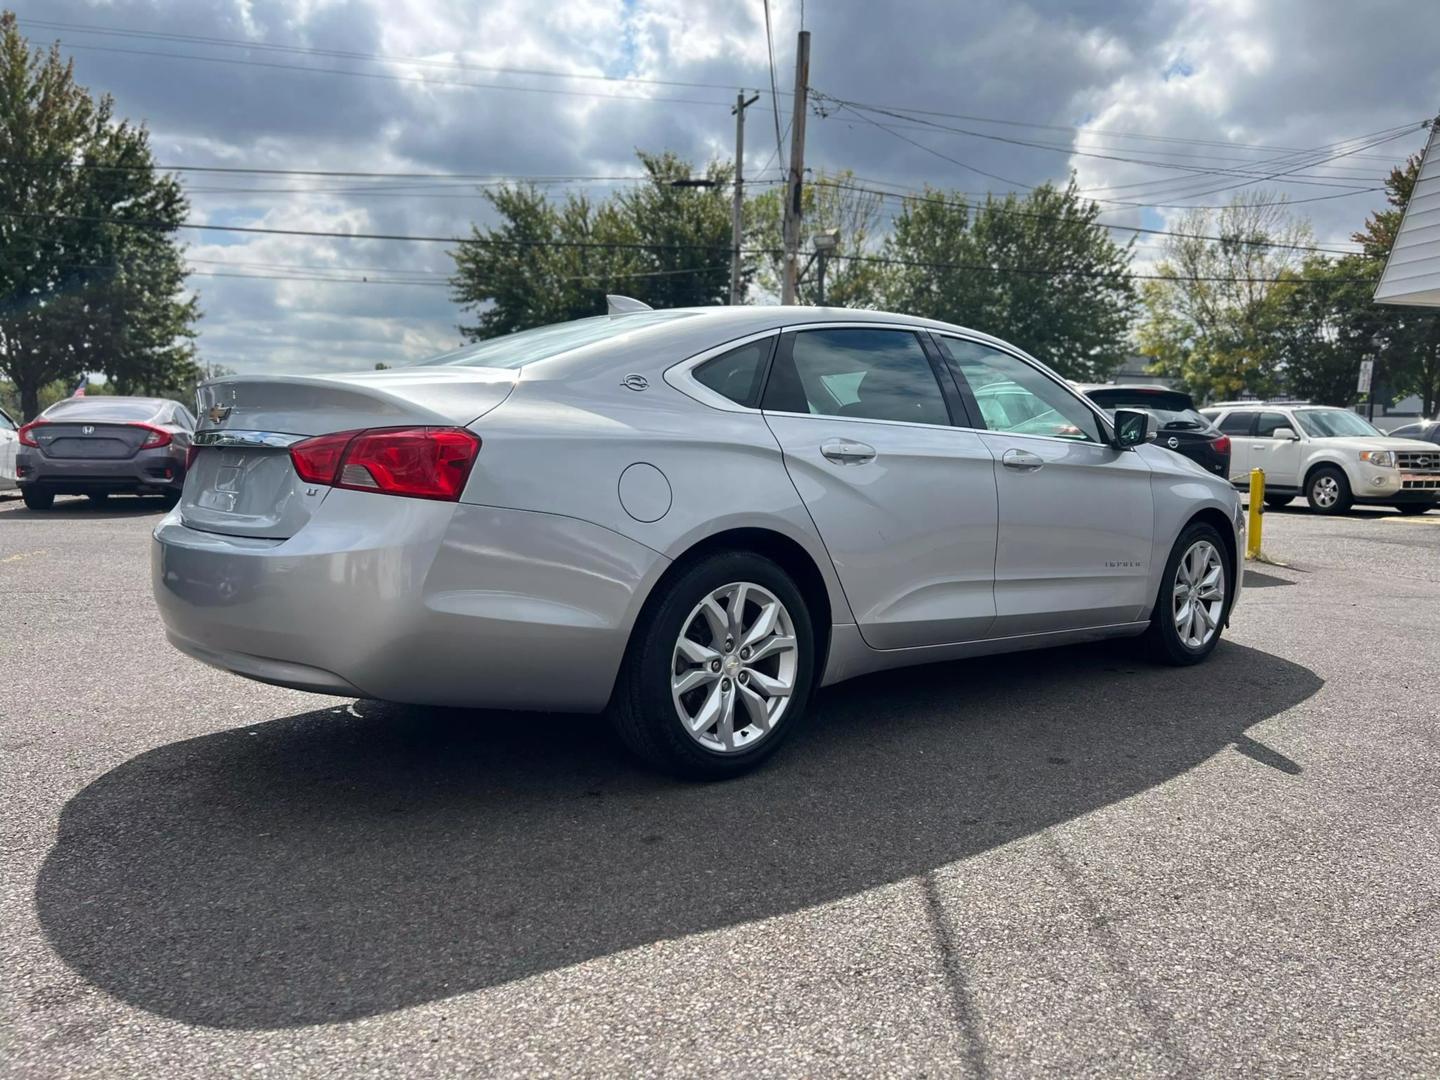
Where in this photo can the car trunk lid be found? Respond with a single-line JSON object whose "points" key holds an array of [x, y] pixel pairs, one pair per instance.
{"points": [[95, 441], [244, 484]]}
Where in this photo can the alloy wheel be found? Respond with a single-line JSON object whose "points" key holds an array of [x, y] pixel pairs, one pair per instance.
{"points": [[734, 667], [1199, 594], [1326, 491]]}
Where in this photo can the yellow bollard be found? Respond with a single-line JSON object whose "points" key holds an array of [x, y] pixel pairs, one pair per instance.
{"points": [[1257, 501]]}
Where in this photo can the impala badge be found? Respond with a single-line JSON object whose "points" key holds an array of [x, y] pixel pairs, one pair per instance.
{"points": [[634, 382]]}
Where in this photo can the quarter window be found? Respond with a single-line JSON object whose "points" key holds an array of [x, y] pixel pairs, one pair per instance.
{"points": [[1016, 398], [861, 374], [738, 373]]}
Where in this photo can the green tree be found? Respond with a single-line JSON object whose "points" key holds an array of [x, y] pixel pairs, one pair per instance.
{"points": [[829, 201], [1216, 317], [1037, 270], [1327, 325], [79, 292], [548, 262]]}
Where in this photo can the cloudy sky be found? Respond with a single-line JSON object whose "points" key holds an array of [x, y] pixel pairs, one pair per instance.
{"points": [[1153, 104]]}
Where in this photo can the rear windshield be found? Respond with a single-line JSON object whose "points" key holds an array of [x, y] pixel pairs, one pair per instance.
{"points": [[527, 346], [1329, 423], [1171, 410], [99, 408]]}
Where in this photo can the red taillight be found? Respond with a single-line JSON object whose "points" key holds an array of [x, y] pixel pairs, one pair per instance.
{"points": [[1222, 444], [419, 462], [317, 460], [26, 439], [157, 437]]}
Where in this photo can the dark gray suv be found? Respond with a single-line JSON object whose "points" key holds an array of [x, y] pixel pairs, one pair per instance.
{"points": [[103, 446]]}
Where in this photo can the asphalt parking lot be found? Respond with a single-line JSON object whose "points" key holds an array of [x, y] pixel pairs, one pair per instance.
{"points": [[1065, 864]]}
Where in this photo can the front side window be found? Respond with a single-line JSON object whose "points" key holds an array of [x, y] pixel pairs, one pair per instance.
{"points": [[737, 374], [1334, 423], [860, 374], [1016, 398], [1266, 426]]}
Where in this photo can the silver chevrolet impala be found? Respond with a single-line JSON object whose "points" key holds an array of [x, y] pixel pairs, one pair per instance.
{"points": [[689, 519]]}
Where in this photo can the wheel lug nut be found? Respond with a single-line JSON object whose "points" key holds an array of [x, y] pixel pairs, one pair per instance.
{"points": [[714, 665], [744, 677], [745, 653], [725, 685], [729, 644]]}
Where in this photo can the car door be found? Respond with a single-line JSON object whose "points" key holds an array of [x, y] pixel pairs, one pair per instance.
{"points": [[903, 498], [1280, 458], [9, 448], [1240, 426], [1076, 514]]}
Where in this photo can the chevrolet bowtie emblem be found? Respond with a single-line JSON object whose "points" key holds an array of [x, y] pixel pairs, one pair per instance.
{"points": [[217, 413]]}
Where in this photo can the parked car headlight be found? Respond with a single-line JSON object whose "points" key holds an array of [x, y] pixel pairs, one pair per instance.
{"points": [[1382, 459]]}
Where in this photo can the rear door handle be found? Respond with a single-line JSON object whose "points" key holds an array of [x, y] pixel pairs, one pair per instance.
{"points": [[847, 452], [1021, 460]]}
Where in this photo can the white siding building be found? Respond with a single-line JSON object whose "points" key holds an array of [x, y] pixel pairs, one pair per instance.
{"points": [[1412, 273]]}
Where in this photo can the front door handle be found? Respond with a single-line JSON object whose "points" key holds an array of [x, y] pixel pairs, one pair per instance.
{"points": [[847, 452], [1022, 460]]}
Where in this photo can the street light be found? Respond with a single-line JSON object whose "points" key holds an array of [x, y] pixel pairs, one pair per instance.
{"points": [[824, 244]]}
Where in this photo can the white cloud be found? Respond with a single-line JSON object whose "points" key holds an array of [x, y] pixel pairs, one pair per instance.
{"points": [[1287, 73]]}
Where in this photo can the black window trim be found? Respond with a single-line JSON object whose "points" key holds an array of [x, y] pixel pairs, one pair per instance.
{"points": [[787, 343], [1105, 424]]}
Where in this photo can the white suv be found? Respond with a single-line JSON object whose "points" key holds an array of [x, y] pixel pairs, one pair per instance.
{"points": [[1332, 456]]}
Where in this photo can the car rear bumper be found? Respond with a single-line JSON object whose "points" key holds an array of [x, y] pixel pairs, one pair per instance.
{"points": [[410, 600], [158, 470]]}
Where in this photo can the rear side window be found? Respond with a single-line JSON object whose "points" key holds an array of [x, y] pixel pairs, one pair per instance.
{"points": [[859, 374], [739, 373], [1238, 423]]}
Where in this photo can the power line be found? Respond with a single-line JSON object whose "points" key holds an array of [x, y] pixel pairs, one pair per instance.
{"points": [[1073, 151], [235, 61], [343, 54], [878, 259], [998, 209]]}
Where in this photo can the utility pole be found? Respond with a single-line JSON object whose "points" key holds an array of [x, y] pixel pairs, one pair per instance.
{"points": [[737, 211], [791, 268]]}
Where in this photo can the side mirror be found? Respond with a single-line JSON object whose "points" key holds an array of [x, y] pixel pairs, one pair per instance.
{"points": [[1285, 433], [1133, 427]]}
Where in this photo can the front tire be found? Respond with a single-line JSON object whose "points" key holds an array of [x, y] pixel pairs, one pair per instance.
{"points": [[719, 671], [1328, 491], [1278, 502], [1194, 599], [37, 498], [98, 498]]}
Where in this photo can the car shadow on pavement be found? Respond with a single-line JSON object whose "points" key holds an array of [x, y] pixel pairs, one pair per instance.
{"points": [[82, 509], [361, 859]]}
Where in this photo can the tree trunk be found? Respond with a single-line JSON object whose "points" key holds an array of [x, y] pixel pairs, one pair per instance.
{"points": [[29, 400]]}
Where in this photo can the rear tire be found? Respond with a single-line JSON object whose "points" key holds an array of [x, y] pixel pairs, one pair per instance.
{"points": [[1198, 551], [98, 498], [1328, 491], [679, 640], [1415, 509], [37, 498], [172, 499], [1278, 502]]}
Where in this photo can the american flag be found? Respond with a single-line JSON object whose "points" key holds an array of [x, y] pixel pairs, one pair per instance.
{"points": [[80, 390]]}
